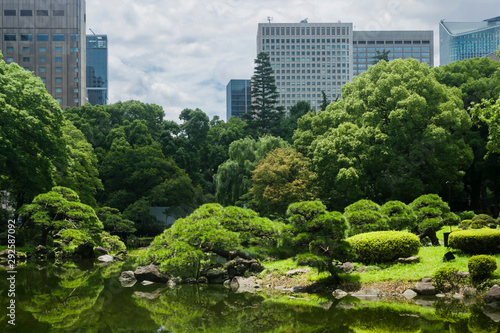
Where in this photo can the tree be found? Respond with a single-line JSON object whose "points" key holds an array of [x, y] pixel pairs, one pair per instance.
{"points": [[488, 112], [324, 101], [265, 115], [31, 140], [233, 178], [396, 134], [114, 223], [283, 177], [381, 55], [399, 216], [365, 216], [289, 123], [317, 235], [57, 210]]}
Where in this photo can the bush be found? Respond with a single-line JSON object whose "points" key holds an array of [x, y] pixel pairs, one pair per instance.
{"points": [[465, 224], [466, 215], [481, 267], [483, 220], [365, 216], [112, 242], [446, 279], [399, 216], [384, 246], [475, 241]]}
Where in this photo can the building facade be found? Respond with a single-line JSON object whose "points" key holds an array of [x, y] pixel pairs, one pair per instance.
{"points": [[97, 69], [47, 37], [308, 58], [400, 44], [238, 98], [466, 40]]}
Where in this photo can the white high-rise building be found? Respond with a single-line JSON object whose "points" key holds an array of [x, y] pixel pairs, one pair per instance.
{"points": [[308, 58]]}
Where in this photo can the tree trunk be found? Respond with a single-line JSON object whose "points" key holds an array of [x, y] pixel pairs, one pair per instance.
{"points": [[431, 233]]}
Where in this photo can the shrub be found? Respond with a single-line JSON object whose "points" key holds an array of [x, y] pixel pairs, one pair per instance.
{"points": [[484, 220], [446, 279], [399, 216], [365, 216], [481, 266], [466, 215], [112, 242], [475, 241], [465, 224], [384, 246]]}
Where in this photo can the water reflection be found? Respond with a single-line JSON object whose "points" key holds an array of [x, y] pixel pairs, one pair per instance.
{"points": [[87, 297]]}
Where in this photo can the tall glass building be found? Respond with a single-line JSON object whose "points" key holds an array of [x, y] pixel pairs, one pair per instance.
{"points": [[308, 58], [97, 69], [47, 38], [238, 98], [466, 40]]}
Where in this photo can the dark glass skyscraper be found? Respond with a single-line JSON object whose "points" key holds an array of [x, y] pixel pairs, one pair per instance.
{"points": [[238, 98], [97, 69]]}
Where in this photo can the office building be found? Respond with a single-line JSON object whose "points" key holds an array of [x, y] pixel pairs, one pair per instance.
{"points": [[308, 58], [48, 38], [238, 98], [466, 40], [97, 69], [401, 44]]}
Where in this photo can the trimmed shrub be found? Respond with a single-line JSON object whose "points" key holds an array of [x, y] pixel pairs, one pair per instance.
{"points": [[384, 246], [446, 279], [484, 220], [365, 216], [475, 241], [465, 224], [481, 267], [466, 215], [399, 216]]}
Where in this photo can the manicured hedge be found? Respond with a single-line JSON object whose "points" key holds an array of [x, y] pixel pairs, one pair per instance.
{"points": [[475, 241], [384, 246], [481, 266]]}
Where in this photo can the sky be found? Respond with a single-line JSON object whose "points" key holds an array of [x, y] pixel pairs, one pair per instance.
{"points": [[182, 53]]}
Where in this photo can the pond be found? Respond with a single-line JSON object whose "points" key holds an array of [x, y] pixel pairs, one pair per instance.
{"points": [[87, 297]]}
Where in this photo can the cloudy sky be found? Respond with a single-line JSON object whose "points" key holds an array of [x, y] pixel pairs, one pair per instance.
{"points": [[182, 53]]}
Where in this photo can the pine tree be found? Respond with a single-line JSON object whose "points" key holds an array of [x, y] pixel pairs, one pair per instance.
{"points": [[381, 55], [265, 114], [324, 101]]}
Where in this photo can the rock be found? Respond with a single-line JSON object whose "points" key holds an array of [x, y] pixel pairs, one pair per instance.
{"points": [[298, 289], [106, 258], [426, 280], [84, 251], [190, 280], [462, 275], [493, 313], [409, 260], [424, 288], [101, 251], [448, 256], [217, 276], [348, 267], [469, 291], [240, 284], [338, 294], [238, 266], [127, 279], [458, 296], [147, 283], [40, 250], [121, 255], [5, 253], [227, 283], [154, 295], [409, 294], [202, 279], [297, 271], [372, 294], [492, 295], [426, 303], [440, 295], [150, 273]]}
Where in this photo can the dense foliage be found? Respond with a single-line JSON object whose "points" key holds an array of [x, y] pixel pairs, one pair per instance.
{"points": [[481, 266], [475, 241], [384, 246]]}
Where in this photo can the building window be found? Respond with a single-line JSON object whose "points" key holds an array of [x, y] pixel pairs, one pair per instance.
{"points": [[9, 37], [74, 49], [58, 37], [43, 69], [26, 37], [76, 90], [58, 69], [58, 59], [26, 59], [59, 80], [42, 59], [75, 59], [74, 37], [9, 12], [26, 12], [76, 69], [76, 100], [42, 49], [10, 59], [58, 90], [26, 49], [10, 49], [58, 49], [44, 80], [76, 79], [59, 100], [58, 13], [42, 13], [42, 37]]}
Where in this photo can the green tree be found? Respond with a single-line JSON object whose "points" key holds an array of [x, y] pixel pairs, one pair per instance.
{"points": [[488, 112], [324, 101], [80, 173], [283, 177], [265, 115], [289, 123], [381, 55], [397, 133], [365, 216], [399, 216], [31, 139], [57, 210], [233, 178], [114, 223]]}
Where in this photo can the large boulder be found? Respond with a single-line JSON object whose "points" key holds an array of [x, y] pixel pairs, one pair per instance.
{"points": [[425, 288], [492, 295], [105, 258], [217, 276], [84, 251], [127, 279], [240, 284], [150, 273], [238, 266]]}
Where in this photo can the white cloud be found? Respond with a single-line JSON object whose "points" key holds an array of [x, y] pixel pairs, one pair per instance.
{"points": [[182, 54]]}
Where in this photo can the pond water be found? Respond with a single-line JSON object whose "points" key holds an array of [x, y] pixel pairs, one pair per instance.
{"points": [[87, 297]]}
